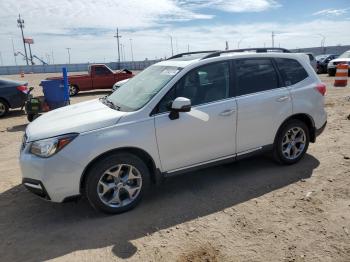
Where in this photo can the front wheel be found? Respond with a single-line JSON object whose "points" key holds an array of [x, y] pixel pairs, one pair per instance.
{"points": [[73, 90], [4, 108], [291, 142], [116, 183]]}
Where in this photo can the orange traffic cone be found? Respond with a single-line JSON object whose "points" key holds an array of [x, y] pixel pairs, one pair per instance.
{"points": [[341, 76], [22, 74]]}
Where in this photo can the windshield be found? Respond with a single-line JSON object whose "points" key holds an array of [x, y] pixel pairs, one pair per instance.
{"points": [[345, 55], [321, 57], [140, 89]]}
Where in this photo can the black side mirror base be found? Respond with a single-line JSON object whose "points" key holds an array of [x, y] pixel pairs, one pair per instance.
{"points": [[174, 114]]}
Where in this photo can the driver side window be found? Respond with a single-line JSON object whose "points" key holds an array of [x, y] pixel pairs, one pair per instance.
{"points": [[202, 85]]}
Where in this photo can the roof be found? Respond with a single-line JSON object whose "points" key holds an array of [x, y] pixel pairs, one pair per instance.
{"points": [[186, 60]]}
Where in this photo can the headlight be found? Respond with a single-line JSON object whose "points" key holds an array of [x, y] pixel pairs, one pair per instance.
{"points": [[48, 147]]}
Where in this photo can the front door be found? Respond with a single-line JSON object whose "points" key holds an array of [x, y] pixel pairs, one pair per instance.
{"points": [[206, 133], [103, 78]]}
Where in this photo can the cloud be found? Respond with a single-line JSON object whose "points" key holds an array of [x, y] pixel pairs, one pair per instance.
{"points": [[332, 12], [234, 6]]}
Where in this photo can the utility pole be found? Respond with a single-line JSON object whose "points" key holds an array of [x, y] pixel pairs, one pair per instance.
{"points": [[226, 47], [68, 50], [2, 62], [188, 48], [273, 39], [14, 52], [132, 53], [20, 24], [118, 36]]}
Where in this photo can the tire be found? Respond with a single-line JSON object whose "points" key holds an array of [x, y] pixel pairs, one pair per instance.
{"points": [[287, 150], [73, 90], [331, 73], [32, 117], [110, 177], [4, 108]]}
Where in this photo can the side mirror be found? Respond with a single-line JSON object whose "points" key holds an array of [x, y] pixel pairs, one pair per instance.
{"points": [[180, 104]]}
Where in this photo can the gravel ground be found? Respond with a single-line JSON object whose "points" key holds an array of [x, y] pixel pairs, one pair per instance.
{"points": [[252, 210]]}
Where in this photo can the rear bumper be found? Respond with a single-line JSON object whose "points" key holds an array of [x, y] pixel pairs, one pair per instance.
{"points": [[321, 129]]}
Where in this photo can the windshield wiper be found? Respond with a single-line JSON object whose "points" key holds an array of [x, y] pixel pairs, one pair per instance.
{"points": [[109, 103]]}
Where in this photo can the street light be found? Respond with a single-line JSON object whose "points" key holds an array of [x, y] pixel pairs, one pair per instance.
{"points": [[171, 43], [323, 40], [68, 50], [132, 53]]}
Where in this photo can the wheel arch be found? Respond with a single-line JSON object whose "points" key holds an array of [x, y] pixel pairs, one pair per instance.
{"points": [[142, 154], [6, 101], [305, 118]]}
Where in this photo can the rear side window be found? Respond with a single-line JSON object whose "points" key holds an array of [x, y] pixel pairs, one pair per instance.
{"points": [[255, 75], [291, 71]]}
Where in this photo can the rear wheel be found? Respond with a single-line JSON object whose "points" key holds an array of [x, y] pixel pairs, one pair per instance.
{"points": [[4, 108], [73, 90], [116, 183], [292, 142]]}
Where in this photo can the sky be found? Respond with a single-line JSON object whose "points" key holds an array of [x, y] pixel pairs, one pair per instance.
{"points": [[88, 27]]}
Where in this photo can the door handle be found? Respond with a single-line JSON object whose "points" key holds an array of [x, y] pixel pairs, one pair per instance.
{"points": [[228, 112], [282, 98]]}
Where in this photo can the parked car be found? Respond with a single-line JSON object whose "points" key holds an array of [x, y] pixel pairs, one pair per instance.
{"points": [[175, 116], [322, 62], [119, 84], [312, 61], [344, 58], [13, 94], [99, 77]]}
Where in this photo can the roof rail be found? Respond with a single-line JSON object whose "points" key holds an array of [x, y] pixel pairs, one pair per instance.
{"points": [[192, 53], [257, 50]]}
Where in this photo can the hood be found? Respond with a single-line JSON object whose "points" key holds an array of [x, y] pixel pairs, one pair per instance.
{"points": [[340, 60], [122, 82], [77, 118]]}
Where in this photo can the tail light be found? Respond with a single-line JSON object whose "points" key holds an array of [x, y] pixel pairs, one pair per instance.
{"points": [[23, 89], [321, 88]]}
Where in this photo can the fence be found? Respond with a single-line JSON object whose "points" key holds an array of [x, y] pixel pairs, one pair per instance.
{"points": [[12, 70], [337, 50]]}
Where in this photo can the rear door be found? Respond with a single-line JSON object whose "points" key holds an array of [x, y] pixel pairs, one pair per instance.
{"points": [[103, 78], [263, 104]]}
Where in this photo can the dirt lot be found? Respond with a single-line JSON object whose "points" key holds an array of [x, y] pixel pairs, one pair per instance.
{"points": [[253, 210]]}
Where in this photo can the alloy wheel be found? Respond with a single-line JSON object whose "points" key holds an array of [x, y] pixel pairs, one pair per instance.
{"points": [[293, 143], [119, 185], [72, 90]]}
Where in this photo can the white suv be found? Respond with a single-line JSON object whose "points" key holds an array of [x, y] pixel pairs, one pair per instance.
{"points": [[190, 111]]}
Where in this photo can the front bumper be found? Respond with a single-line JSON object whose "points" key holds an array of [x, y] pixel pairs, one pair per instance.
{"points": [[55, 178]]}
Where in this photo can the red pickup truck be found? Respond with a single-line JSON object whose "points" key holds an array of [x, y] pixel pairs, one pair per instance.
{"points": [[99, 76]]}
